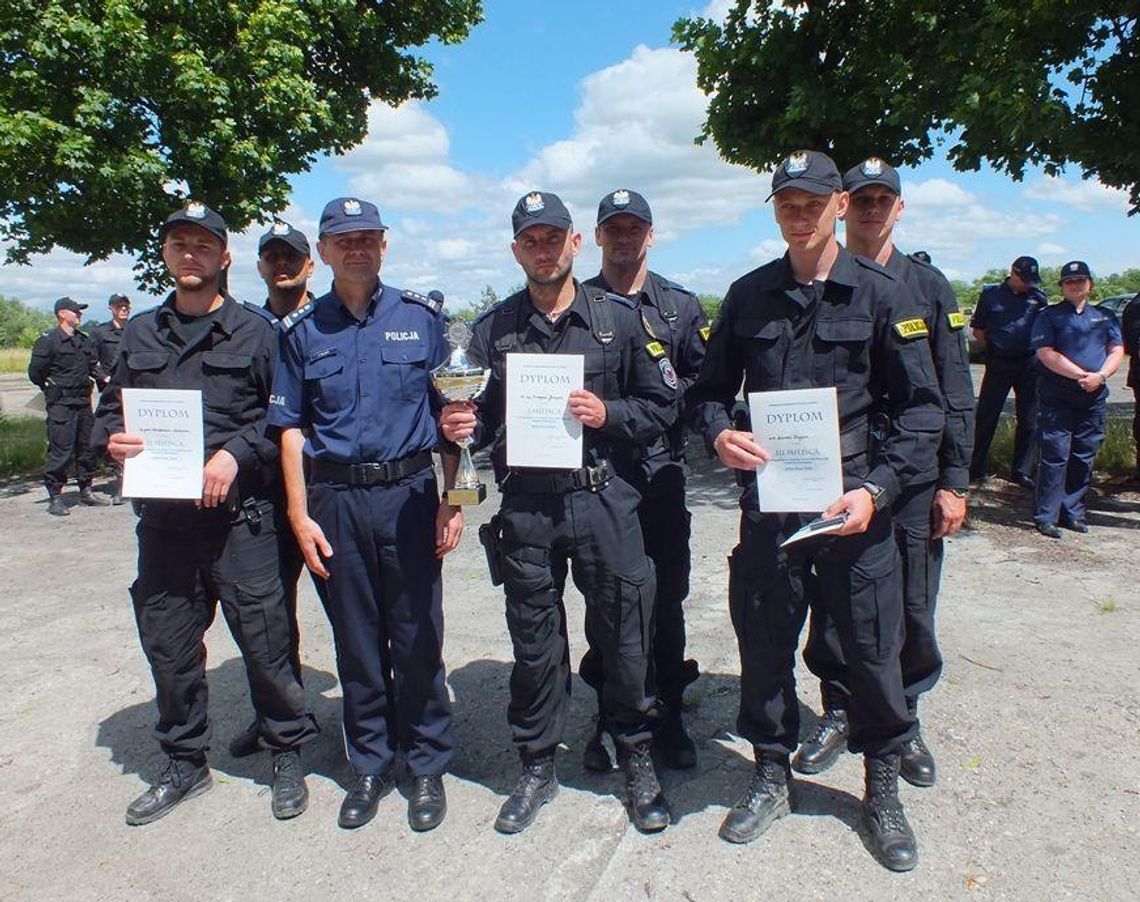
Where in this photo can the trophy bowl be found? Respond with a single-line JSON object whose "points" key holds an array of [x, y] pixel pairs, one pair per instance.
{"points": [[460, 380]]}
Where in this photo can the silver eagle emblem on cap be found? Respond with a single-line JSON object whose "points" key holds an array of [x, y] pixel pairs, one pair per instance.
{"points": [[872, 167], [797, 163], [351, 208], [196, 210], [534, 203], [620, 198]]}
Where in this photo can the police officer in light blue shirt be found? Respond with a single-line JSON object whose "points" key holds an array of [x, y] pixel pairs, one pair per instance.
{"points": [[1079, 346], [352, 396], [1002, 322]]}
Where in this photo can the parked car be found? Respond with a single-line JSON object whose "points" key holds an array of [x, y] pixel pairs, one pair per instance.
{"points": [[1116, 303]]}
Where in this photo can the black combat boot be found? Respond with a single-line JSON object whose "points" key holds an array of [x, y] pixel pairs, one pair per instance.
{"points": [[892, 840], [916, 764], [88, 497], [643, 797], [672, 743], [766, 799], [537, 786], [181, 780], [56, 506], [824, 746], [290, 794]]}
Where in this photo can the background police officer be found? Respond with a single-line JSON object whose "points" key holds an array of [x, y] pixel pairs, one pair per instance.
{"points": [[1080, 347], [926, 511], [352, 397], [587, 517], [63, 364], [107, 336], [222, 546], [821, 317], [673, 318], [1002, 322], [285, 265]]}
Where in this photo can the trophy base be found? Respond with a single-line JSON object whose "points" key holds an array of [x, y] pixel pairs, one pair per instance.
{"points": [[466, 496]]}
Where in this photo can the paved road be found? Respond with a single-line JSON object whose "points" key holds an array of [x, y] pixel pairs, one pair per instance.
{"points": [[1034, 725]]}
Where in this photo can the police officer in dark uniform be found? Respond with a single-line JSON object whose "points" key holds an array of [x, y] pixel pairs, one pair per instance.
{"points": [[1130, 332], [107, 337], [353, 400], [222, 546], [63, 364], [1079, 347], [821, 317], [673, 318], [285, 264], [925, 512], [1002, 322], [586, 518]]}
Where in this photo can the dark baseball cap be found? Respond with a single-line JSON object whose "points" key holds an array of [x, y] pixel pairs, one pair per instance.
{"points": [[69, 304], [1027, 268], [807, 170], [624, 201], [287, 235], [195, 213], [116, 299], [872, 171], [350, 214], [1076, 269], [540, 208]]}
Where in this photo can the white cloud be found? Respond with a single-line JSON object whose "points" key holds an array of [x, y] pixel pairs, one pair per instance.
{"points": [[635, 128], [768, 249], [1084, 194], [1050, 251]]}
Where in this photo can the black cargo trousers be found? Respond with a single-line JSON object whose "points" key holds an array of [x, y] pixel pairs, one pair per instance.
{"points": [[596, 534], [182, 574]]}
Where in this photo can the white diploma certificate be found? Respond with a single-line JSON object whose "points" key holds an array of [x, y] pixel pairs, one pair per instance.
{"points": [[170, 423], [540, 430], [800, 429]]}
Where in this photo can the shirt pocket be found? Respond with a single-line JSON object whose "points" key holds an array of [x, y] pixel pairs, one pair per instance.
{"points": [[843, 351], [144, 367], [227, 379], [409, 362], [763, 357], [326, 383]]}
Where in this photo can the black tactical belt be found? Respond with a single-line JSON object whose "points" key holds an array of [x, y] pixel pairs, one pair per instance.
{"points": [[592, 478], [370, 473]]}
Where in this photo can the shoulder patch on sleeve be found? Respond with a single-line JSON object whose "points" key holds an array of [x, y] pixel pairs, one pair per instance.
{"points": [[668, 374], [297, 315], [260, 311], [956, 319], [414, 297], [912, 328], [656, 349], [705, 332]]}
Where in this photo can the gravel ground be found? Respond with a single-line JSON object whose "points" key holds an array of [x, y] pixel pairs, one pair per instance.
{"points": [[1034, 725]]}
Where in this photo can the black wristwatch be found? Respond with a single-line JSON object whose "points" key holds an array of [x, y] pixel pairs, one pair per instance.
{"points": [[875, 491]]}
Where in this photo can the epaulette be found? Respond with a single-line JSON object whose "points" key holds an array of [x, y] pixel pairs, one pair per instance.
{"points": [[501, 306], [621, 299], [261, 311], [868, 263], [673, 286], [84, 334], [289, 322], [414, 297]]}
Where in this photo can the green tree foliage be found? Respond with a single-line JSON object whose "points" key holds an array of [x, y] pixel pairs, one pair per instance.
{"points": [[21, 325], [1127, 282], [1012, 84], [105, 104], [710, 304]]}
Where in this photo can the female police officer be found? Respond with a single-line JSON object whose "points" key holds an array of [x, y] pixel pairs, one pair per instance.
{"points": [[1080, 347]]}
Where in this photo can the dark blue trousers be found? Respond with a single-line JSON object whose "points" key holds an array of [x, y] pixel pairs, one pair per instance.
{"points": [[1002, 374], [1071, 433], [384, 599]]}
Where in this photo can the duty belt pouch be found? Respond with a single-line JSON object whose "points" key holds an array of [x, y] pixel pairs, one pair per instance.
{"points": [[491, 538]]}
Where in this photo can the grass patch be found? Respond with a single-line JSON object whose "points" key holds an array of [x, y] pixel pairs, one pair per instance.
{"points": [[1108, 606], [14, 360], [23, 445], [1117, 456]]}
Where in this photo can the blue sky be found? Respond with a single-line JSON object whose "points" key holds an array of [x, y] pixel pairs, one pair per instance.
{"points": [[582, 99]]}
